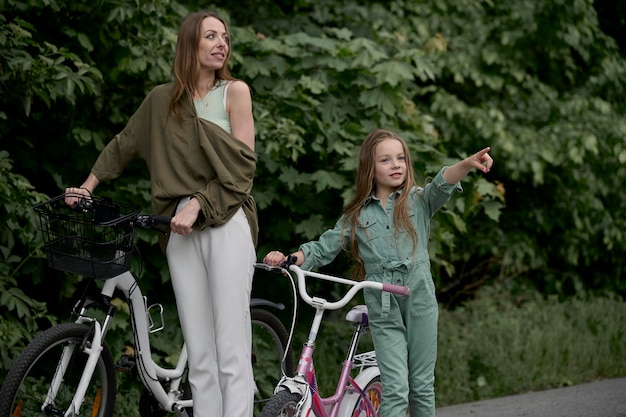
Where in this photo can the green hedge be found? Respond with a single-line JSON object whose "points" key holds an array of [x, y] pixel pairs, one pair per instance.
{"points": [[499, 345]]}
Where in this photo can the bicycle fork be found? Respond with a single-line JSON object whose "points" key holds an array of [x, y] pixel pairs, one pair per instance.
{"points": [[91, 345], [298, 384], [93, 349]]}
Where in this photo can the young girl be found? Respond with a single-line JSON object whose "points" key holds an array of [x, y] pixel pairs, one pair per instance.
{"points": [[386, 228]]}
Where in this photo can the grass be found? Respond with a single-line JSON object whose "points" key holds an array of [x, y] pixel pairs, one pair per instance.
{"points": [[497, 345]]}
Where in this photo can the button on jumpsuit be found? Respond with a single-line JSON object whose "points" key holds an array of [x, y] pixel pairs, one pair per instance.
{"points": [[404, 329]]}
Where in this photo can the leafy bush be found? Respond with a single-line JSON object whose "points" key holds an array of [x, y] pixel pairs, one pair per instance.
{"points": [[500, 344]]}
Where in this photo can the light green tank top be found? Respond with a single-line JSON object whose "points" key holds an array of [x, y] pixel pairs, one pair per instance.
{"points": [[212, 106]]}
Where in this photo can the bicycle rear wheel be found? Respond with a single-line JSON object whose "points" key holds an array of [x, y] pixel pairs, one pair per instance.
{"points": [[269, 342], [374, 392], [25, 387]]}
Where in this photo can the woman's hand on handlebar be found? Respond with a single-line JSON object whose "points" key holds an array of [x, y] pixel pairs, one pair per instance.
{"points": [[184, 219], [74, 194]]}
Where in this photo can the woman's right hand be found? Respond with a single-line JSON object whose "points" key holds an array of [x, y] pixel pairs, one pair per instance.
{"points": [[182, 223]]}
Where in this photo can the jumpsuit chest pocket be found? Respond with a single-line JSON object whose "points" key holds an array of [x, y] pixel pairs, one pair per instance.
{"points": [[370, 229]]}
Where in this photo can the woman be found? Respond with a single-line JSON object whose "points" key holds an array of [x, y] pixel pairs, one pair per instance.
{"points": [[196, 135]]}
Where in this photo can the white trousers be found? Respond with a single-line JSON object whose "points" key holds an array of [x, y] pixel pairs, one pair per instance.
{"points": [[212, 278]]}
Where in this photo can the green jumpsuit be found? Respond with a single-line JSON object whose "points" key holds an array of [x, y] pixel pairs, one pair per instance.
{"points": [[404, 329]]}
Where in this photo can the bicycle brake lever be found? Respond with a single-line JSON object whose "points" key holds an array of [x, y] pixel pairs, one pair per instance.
{"points": [[291, 260], [281, 268], [144, 221], [264, 266]]}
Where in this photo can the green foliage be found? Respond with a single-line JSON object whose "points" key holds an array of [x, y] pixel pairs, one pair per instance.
{"points": [[42, 70], [19, 241], [500, 344], [540, 83]]}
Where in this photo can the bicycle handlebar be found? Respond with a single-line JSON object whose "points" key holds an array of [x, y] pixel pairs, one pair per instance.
{"points": [[356, 287], [402, 290], [143, 221], [147, 221], [327, 305]]}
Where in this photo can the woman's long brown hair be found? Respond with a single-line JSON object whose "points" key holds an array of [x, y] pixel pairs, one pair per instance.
{"points": [[366, 185], [186, 66]]}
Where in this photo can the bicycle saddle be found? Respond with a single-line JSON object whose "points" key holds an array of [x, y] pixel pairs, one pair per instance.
{"points": [[357, 314]]}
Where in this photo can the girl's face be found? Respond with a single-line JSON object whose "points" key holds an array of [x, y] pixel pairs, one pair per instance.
{"points": [[390, 167], [214, 44]]}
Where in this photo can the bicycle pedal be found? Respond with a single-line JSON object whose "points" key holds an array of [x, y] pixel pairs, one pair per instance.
{"points": [[126, 364]]}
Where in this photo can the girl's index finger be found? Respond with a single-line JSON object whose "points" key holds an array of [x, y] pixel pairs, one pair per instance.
{"points": [[485, 159]]}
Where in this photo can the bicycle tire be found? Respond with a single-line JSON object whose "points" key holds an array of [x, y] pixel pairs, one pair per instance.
{"points": [[374, 391], [269, 340], [28, 379], [282, 404]]}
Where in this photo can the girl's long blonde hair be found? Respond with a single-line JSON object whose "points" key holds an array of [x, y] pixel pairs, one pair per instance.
{"points": [[186, 65], [366, 186]]}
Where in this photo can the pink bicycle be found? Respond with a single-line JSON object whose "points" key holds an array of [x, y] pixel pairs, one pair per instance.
{"points": [[360, 396]]}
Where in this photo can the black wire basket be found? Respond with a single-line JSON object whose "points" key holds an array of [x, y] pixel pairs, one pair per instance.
{"points": [[94, 240]]}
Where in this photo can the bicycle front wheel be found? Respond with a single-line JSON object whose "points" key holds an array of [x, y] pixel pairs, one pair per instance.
{"points": [[269, 343], [283, 404], [26, 389]]}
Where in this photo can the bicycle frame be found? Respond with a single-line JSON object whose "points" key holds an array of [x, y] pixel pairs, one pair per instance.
{"points": [[149, 372], [348, 389]]}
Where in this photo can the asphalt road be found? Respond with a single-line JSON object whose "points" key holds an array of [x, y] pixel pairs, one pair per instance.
{"points": [[605, 398]]}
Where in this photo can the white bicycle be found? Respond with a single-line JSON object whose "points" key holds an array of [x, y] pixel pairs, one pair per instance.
{"points": [[68, 370], [354, 397]]}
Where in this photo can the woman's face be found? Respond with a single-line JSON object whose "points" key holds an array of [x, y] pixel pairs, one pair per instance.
{"points": [[214, 44]]}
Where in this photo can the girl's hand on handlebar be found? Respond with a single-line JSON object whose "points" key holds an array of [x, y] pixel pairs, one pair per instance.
{"points": [[277, 258], [274, 258]]}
